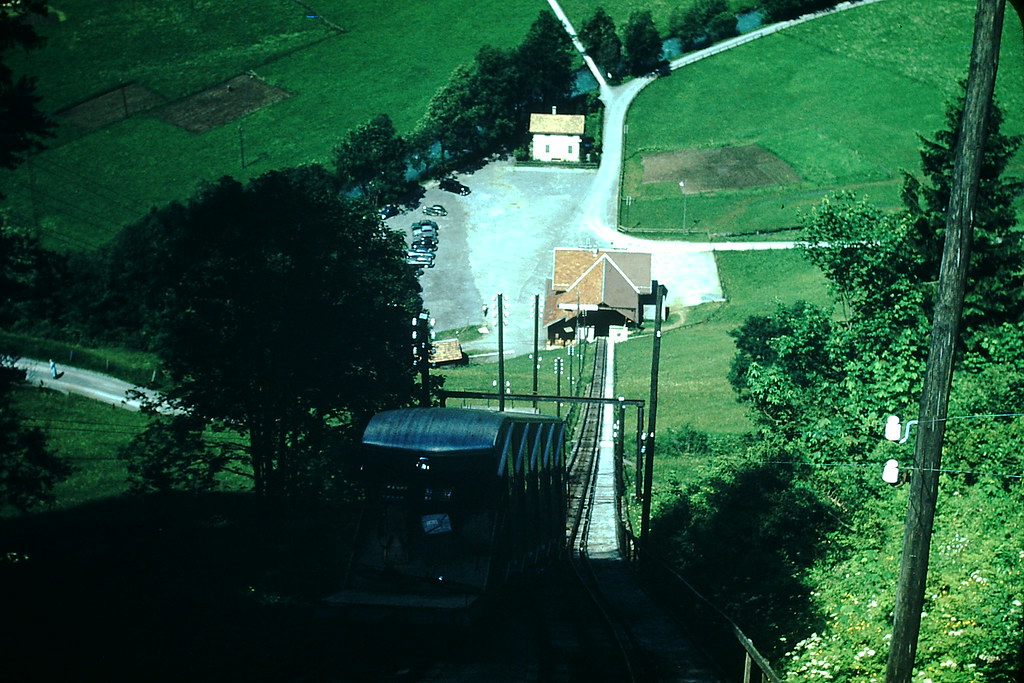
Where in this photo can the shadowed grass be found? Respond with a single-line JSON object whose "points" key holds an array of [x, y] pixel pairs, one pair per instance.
{"points": [[87, 435], [173, 588]]}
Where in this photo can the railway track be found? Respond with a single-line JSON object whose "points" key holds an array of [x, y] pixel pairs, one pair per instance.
{"points": [[565, 624], [582, 464], [648, 643], [583, 493]]}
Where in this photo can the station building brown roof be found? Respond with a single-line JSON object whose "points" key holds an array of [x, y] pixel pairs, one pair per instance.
{"points": [[596, 279]]}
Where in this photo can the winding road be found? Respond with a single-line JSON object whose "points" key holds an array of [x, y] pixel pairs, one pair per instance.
{"points": [[599, 212], [94, 385]]}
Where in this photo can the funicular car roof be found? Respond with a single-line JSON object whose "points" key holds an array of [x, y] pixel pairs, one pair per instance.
{"points": [[441, 431]]}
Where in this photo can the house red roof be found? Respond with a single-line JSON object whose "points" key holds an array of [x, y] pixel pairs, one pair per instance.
{"points": [[597, 279]]}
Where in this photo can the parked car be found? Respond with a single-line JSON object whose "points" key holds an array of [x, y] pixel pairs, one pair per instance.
{"points": [[388, 210], [419, 258], [435, 210], [424, 229], [453, 185], [425, 243]]}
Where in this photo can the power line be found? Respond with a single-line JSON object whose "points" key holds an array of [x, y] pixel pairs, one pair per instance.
{"points": [[708, 461], [102, 191], [22, 219]]}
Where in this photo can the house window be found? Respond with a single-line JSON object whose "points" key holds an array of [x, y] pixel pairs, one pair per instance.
{"points": [[547, 149], [570, 149]]}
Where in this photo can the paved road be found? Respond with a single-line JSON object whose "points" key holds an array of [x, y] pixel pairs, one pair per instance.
{"points": [[78, 381]]}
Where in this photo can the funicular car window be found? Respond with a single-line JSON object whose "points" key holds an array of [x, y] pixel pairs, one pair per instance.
{"points": [[436, 523]]}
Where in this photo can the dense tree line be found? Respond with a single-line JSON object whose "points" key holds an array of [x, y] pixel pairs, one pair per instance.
{"points": [[817, 527], [22, 126], [29, 275], [702, 23], [483, 108]]}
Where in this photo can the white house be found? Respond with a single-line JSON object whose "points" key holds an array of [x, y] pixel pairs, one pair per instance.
{"points": [[556, 137]]}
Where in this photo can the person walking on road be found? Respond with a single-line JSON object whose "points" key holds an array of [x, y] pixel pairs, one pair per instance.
{"points": [[53, 370]]}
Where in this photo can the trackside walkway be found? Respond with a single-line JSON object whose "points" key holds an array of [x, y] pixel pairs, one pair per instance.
{"points": [[667, 647]]}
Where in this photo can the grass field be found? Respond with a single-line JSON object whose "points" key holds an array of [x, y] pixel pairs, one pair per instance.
{"points": [[480, 376], [695, 358], [89, 184], [846, 96], [87, 435], [843, 101]]}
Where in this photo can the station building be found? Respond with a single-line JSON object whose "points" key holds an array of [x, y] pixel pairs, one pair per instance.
{"points": [[596, 293]]}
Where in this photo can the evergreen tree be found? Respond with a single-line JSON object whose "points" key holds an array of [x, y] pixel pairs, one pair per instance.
{"points": [[781, 10], [452, 117], [705, 21], [642, 43], [498, 86], [996, 272], [545, 58], [22, 125], [602, 42], [371, 158]]}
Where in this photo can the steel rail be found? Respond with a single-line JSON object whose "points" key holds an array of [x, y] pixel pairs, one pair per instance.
{"points": [[583, 478]]}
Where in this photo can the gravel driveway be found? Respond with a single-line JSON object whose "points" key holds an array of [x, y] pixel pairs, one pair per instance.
{"points": [[502, 236], [499, 238]]}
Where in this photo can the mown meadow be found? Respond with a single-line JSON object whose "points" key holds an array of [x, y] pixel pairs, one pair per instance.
{"points": [[842, 99], [88, 184]]}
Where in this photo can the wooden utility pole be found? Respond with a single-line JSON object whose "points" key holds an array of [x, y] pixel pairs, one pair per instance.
{"points": [[924, 487], [645, 514], [536, 337], [501, 352]]}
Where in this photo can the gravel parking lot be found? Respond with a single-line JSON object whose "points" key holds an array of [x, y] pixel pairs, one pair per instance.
{"points": [[501, 237]]}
